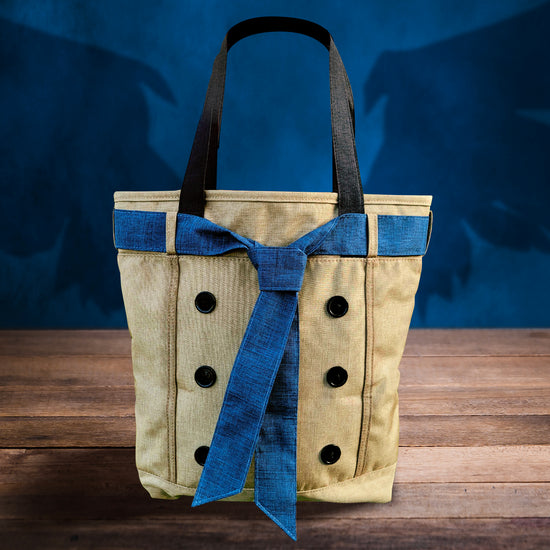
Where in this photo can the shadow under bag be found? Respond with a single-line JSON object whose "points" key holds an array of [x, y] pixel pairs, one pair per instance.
{"points": [[268, 326]]}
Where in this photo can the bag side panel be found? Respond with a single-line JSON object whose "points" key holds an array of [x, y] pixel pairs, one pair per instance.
{"points": [[149, 289], [391, 285]]}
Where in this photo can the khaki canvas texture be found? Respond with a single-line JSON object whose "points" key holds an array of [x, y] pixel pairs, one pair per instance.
{"points": [[171, 339]]}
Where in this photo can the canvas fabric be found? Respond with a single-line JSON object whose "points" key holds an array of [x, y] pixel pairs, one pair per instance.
{"points": [[170, 339]]}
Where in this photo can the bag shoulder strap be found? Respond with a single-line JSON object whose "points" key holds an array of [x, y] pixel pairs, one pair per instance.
{"points": [[202, 165]]}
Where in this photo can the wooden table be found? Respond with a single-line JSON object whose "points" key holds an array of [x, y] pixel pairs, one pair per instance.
{"points": [[473, 470]]}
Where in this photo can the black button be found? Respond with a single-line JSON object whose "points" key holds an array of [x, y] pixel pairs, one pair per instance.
{"points": [[337, 306], [330, 454], [337, 376], [205, 302], [200, 455], [205, 376]]}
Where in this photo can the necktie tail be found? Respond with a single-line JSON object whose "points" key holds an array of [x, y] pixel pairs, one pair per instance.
{"points": [[246, 397], [275, 459]]}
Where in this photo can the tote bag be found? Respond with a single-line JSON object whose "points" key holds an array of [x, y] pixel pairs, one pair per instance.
{"points": [[267, 326]]}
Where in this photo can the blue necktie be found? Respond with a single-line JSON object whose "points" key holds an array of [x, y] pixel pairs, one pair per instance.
{"points": [[259, 410], [243, 426]]}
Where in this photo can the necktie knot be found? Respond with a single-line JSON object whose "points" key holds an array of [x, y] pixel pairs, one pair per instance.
{"points": [[279, 268]]}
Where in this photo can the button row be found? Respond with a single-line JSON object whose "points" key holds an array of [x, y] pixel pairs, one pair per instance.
{"points": [[205, 376], [328, 455], [337, 306]]}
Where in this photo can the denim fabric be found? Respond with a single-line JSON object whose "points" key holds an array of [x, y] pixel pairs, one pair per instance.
{"points": [[259, 411], [402, 235], [275, 458], [146, 231], [138, 230], [245, 401], [278, 268]]}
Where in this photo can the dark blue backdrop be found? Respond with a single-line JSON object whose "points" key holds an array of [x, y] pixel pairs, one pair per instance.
{"points": [[453, 99]]}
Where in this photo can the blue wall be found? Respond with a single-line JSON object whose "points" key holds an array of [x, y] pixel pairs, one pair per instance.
{"points": [[452, 99]]}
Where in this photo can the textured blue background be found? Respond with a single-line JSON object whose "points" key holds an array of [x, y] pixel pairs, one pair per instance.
{"points": [[453, 99]]}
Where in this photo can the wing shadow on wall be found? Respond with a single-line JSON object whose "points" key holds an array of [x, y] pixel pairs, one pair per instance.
{"points": [[74, 129], [467, 120]]}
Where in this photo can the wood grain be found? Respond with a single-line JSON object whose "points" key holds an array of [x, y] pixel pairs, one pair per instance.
{"points": [[473, 469], [425, 372], [416, 431], [68, 371], [478, 342], [119, 401], [142, 533], [526, 463], [64, 342], [420, 342], [410, 500]]}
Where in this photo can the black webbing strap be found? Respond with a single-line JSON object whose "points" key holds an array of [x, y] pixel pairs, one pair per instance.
{"points": [[201, 168]]}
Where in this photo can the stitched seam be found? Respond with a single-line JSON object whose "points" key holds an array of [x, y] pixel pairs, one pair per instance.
{"points": [[358, 464], [318, 258], [175, 343], [349, 481], [304, 491], [172, 394], [355, 164], [174, 196], [370, 352]]}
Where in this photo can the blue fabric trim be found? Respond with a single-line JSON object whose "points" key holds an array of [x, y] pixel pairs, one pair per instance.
{"points": [[137, 230], [348, 239], [196, 235], [345, 235], [402, 235]]}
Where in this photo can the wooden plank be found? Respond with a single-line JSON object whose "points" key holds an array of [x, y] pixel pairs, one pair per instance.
{"points": [[474, 464], [474, 401], [493, 372], [62, 401], [421, 342], [48, 467], [72, 370], [475, 372], [119, 401], [478, 342], [473, 431], [140, 533], [67, 431], [416, 431], [64, 342], [410, 500]]}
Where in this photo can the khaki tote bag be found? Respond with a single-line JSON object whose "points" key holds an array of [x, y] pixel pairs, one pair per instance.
{"points": [[268, 326]]}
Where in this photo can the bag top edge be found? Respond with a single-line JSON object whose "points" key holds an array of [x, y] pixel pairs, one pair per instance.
{"points": [[269, 196]]}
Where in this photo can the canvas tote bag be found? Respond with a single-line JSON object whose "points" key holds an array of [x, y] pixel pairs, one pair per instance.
{"points": [[268, 326]]}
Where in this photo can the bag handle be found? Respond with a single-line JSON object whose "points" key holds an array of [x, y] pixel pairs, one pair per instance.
{"points": [[202, 165]]}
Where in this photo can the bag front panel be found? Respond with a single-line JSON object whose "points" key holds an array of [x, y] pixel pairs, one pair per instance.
{"points": [[360, 417], [326, 415], [208, 339], [329, 415]]}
